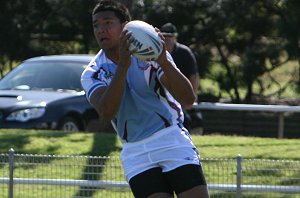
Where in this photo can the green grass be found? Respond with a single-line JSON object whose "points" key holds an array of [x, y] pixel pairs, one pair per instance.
{"points": [[107, 144], [57, 143], [218, 146]]}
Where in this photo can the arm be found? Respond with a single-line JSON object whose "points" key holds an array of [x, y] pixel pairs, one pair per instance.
{"points": [[175, 82], [194, 79], [191, 69], [107, 100]]}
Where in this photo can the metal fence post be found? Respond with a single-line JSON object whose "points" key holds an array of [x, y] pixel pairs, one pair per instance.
{"points": [[280, 124], [239, 176], [11, 154]]}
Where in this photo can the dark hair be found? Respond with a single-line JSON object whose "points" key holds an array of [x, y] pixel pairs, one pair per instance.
{"points": [[111, 5], [169, 29]]}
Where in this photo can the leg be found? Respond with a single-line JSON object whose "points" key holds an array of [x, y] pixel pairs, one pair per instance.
{"points": [[200, 191], [150, 184], [188, 181], [161, 195]]}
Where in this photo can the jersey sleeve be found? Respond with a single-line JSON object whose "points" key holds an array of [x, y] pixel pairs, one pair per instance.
{"points": [[93, 77], [89, 81]]}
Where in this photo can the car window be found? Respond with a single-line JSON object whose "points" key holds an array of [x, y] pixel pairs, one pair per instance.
{"points": [[44, 75]]}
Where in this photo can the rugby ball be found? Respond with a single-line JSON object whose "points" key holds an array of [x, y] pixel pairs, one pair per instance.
{"points": [[144, 40]]}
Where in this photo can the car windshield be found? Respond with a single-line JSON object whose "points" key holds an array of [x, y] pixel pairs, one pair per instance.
{"points": [[44, 75]]}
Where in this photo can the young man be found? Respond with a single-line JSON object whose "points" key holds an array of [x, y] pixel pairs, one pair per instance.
{"points": [[143, 101]]}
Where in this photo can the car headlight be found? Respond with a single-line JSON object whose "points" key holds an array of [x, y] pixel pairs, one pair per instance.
{"points": [[26, 114]]}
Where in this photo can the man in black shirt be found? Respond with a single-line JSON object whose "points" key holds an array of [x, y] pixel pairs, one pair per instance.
{"points": [[185, 61]]}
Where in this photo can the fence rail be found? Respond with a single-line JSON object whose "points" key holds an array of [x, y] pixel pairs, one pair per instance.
{"points": [[281, 110], [82, 176]]}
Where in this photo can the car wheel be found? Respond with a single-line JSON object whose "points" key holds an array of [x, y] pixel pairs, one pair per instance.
{"points": [[69, 124]]}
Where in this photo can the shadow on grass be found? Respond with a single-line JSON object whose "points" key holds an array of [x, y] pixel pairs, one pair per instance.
{"points": [[93, 169], [10, 141], [19, 139], [103, 145]]}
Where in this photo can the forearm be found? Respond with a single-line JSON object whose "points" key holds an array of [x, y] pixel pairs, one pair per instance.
{"points": [[107, 100], [194, 79], [177, 84]]}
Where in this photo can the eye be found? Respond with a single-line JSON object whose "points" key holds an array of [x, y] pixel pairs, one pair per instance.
{"points": [[108, 23], [95, 25]]}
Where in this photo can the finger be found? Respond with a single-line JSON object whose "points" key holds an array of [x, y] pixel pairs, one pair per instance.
{"points": [[125, 39], [157, 30], [161, 37], [128, 38], [132, 51], [123, 33], [122, 38]]}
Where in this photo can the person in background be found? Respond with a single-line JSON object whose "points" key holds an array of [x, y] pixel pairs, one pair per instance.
{"points": [[186, 62]]}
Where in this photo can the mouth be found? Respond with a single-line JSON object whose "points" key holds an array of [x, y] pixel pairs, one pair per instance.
{"points": [[103, 39]]}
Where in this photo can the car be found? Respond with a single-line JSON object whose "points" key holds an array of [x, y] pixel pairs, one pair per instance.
{"points": [[45, 93]]}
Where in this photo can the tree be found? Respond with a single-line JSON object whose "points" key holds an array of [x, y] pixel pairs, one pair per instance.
{"points": [[246, 39], [16, 35], [242, 37], [288, 26], [41, 27]]}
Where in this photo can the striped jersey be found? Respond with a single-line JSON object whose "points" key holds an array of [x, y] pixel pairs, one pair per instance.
{"points": [[146, 106]]}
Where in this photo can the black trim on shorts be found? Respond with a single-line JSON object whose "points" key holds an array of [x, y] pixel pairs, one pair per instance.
{"points": [[178, 180]]}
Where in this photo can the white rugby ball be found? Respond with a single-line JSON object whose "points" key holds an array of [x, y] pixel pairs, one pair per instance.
{"points": [[145, 40]]}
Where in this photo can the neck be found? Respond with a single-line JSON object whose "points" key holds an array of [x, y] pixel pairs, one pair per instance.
{"points": [[113, 55], [171, 47]]}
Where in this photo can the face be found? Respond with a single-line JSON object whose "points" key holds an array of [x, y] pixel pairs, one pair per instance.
{"points": [[107, 28], [170, 42]]}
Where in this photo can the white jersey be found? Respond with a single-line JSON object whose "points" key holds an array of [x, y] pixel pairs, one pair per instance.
{"points": [[146, 106]]}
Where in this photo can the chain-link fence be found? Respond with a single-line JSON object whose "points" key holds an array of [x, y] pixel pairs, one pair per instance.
{"points": [[48, 176]]}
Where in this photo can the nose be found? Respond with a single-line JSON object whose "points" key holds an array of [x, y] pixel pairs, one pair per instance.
{"points": [[98, 29]]}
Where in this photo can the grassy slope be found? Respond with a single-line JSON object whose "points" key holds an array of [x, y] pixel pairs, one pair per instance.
{"points": [[104, 144]]}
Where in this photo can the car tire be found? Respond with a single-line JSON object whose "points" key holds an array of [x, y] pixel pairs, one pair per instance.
{"points": [[69, 124]]}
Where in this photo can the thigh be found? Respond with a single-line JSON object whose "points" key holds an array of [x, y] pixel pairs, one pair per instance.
{"points": [[186, 177], [151, 182], [196, 192]]}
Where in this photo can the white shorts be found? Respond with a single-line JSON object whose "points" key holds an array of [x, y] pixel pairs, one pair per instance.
{"points": [[168, 148]]}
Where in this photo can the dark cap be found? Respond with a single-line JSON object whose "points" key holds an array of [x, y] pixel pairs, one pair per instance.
{"points": [[169, 29]]}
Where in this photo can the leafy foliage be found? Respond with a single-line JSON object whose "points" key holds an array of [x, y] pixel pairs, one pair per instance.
{"points": [[243, 37], [246, 39]]}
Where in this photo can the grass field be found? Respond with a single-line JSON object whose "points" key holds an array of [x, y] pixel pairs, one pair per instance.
{"points": [[58, 143], [107, 144]]}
